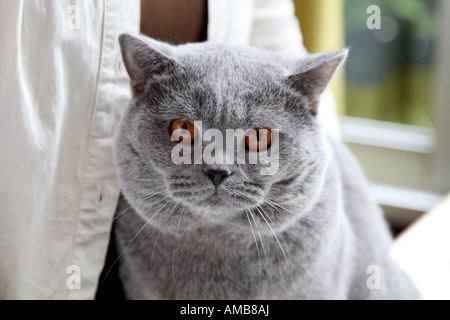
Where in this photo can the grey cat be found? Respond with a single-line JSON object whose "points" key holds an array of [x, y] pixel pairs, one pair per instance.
{"points": [[309, 230]]}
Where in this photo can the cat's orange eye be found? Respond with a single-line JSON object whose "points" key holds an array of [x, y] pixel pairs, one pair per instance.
{"points": [[183, 131], [258, 139]]}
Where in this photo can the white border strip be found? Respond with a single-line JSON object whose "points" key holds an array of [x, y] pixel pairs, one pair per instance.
{"points": [[410, 199], [388, 135]]}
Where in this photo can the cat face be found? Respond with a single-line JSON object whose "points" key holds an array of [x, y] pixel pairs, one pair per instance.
{"points": [[187, 101]]}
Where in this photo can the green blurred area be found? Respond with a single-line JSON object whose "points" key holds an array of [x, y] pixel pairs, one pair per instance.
{"points": [[402, 97], [390, 71]]}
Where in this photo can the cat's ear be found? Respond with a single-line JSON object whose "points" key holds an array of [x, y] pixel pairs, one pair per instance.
{"points": [[144, 59], [311, 75]]}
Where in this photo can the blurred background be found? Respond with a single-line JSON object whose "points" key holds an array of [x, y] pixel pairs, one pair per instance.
{"points": [[393, 96]]}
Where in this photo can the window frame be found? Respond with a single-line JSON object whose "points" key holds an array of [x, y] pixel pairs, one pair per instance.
{"points": [[418, 158]]}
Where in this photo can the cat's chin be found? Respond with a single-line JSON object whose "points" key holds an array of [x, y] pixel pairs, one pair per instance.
{"points": [[219, 204], [215, 200], [216, 203], [220, 200]]}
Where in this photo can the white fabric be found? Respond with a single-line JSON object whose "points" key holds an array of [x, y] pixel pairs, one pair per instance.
{"points": [[268, 24], [62, 91]]}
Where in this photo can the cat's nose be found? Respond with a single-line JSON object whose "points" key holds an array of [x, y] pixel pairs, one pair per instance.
{"points": [[217, 174]]}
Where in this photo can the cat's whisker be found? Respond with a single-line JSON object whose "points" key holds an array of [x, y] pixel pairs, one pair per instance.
{"points": [[140, 201], [252, 214], [288, 258], [131, 241], [257, 250], [175, 242], [179, 221], [143, 244], [261, 213], [274, 205], [277, 207], [270, 204], [160, 230]]}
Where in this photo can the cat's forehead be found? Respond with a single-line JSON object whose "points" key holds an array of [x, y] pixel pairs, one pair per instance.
{"points": [[220, 104], [220, 109], [226, 88], [231, 64]]}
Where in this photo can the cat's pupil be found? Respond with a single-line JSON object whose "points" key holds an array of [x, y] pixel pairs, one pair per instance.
{"points": [[258, 136], [184, 127]]}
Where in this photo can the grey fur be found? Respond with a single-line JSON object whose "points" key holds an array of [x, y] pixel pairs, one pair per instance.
{"points": [[308, 232]]}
